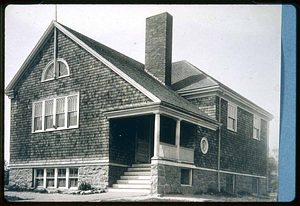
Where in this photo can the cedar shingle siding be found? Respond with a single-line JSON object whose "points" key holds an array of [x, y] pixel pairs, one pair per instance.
{"points": [[99, 88]]}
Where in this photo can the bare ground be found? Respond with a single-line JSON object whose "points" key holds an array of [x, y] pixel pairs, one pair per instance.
{"points": [[128, 197]]}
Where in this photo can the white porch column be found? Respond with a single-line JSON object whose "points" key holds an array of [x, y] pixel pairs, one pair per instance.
{"points": [[45, 178], [156, 135], [55, 177], [178, 140]]}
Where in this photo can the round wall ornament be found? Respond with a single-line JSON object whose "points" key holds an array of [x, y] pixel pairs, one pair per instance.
{"points": [[204, 145]]}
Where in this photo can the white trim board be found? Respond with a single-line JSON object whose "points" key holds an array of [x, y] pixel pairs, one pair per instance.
{"points": [[219, 91], [66, 164], [156, 108], [191, 166]]}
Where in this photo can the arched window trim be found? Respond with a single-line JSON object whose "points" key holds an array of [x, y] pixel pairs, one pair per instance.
{"points": [[49, 64]]}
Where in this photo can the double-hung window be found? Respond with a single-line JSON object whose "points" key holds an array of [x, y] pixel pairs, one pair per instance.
{"points": [[256, 127], [50, 178], [61, 177], [39, 178], [38, 115], [56, 113], [232, 117], [49, 114], [60, 112], [73, 177]]}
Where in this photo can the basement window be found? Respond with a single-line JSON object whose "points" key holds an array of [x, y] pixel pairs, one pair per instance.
{"points": [[230, 183], [56, 177], [73, 177], [255, 183], [39, 178], [62, 70], [186, 177], [56, 113]]}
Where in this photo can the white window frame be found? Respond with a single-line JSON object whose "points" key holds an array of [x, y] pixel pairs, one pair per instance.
{"points": [[54, 113], [47, 178], [259, 126], [56, 75], [235, 122], [69, 181], [67, 186], [190, 177]]}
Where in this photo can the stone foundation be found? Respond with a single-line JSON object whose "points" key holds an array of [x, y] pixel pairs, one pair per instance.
{"points": [[97, 176], [166, 179], [21, 177]]}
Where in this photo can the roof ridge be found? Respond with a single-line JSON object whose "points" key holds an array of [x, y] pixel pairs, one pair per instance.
{"points": [[107, 49]]}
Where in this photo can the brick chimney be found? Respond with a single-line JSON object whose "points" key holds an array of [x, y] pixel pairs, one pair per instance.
{"points": [[158, 57]]}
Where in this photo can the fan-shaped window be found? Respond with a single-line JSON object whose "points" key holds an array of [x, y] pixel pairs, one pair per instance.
{"points": [[62, 70]]}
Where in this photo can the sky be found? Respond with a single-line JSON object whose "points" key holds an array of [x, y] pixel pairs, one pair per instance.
{"points": [[239, 45]]}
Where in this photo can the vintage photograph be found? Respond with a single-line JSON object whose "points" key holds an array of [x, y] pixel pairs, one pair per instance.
{"points": [[142, 103]]}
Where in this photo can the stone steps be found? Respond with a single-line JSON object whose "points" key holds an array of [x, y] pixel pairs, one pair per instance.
{"points": [[136, 179], [133, 181], [146, 191]]}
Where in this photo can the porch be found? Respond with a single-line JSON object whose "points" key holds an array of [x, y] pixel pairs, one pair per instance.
{"points": [[140, 139]]}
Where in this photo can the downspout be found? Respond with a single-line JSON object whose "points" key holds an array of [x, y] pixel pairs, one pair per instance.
{"points": [[219, 146]]}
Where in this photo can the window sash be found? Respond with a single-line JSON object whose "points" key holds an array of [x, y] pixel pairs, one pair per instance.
{"points": [[56, 177], [231, 117], [60, 106], [61, 112]]}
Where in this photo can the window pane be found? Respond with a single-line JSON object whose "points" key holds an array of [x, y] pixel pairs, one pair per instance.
{"points": [[73, 172], [61, 182], [256, 123], [72, 103], [40, 173], [60, 106], [230, 123], [49, 107], [37, 123], [62, 69], [39, 182], [231, 111], [74, 182], [60, 120], [50, 72], [61, 172], [49, 122], [185, 176], [50, 172], [38, 109], [72, 118], [50, 182]]}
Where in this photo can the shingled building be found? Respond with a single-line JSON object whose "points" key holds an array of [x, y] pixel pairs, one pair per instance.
{"points": [[83, 112]]}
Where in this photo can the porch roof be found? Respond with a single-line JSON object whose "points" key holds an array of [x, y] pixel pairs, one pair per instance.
{"points": [[161, 108]]}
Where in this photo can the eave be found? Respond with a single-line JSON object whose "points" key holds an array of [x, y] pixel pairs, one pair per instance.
{"points": [[225, 92], [10, 87], [167, 110]]}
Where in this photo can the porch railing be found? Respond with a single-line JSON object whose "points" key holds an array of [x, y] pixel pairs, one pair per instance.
{"points": [[169, 151]]}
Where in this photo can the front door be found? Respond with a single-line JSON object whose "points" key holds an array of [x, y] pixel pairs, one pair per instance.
{"points": [[143, 143]]}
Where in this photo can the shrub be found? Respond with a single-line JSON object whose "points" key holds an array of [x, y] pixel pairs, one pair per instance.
{"points": [[211, 191], [85, 186], [244, 193], [199, 192]]}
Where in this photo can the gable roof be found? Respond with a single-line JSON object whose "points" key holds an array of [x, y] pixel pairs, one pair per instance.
{"points": [[131, 70], [186, 77]]}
